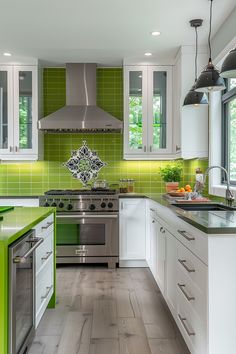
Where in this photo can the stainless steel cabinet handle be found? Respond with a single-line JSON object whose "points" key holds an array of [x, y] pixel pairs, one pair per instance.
{"points": [[48, 225], [183, 320], [185, 235], [22, 259], [81, 252], [177, 148], [162, 230], [153, 221], [11, 148], [48, 254], [144, 148], [152, 209], [17, 149], [48, 289], [150, 148], [182, 287], [183, 263]]}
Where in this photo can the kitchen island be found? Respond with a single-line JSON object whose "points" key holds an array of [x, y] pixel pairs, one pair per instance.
{"points": [[16, 223]]}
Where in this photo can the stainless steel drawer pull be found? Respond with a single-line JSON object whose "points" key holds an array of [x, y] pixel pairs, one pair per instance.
{"points": [[48, 289], [48, 254], [81, 252], [48, 225], [183, 320], [182, 287], [183, 262], [162, 230], [185, 235], [37, 242]]}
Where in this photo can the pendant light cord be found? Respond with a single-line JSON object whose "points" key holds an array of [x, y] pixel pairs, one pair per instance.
{"points": [[209, 36], [196, 53]]}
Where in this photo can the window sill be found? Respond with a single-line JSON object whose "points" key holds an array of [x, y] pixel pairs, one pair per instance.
{"points": [[219, 190]]}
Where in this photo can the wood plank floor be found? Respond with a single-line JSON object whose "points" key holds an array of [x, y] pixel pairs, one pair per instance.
{"points": [[103, 311]]}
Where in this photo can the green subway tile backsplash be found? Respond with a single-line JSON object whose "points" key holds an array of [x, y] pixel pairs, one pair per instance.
{"points": [[35, 178]]}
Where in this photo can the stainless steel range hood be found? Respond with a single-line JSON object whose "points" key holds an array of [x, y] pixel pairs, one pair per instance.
{"points": [[81, 112]]}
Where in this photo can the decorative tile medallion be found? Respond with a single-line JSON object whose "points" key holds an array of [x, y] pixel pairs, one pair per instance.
{"points": [[84, 164]]}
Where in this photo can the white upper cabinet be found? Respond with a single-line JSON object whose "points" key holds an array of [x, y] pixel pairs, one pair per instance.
{"points": [[190, 123], [147, 112], [18, 112]]}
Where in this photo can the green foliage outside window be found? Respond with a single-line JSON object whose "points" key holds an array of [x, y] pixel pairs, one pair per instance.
{"points": [[136, 122], [25, 120]]}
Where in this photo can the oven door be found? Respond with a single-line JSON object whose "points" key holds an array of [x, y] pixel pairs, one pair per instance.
{"points": [[87, 234]]}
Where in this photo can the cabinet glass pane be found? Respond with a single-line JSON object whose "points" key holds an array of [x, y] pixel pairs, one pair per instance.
{"points": [[135, 110], [3, 111], [25, 109], [159, 110]]}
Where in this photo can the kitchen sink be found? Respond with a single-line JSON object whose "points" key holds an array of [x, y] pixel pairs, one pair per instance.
{"points": [[204, 207]]}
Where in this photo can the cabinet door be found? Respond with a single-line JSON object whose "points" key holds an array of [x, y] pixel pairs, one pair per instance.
{"points": [[160, 254], [135, 110], [6, 110], [25, 110], [159, 109], [171, 264], [132, 229]]}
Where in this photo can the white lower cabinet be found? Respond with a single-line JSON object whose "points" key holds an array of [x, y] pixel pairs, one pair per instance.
{"points": [[44, 267], [132, 229]]}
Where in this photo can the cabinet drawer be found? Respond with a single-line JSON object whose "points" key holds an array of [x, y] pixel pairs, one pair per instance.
{"points": [[192, 294], [192, 267], [45, 226], [192, 328], [44, 252], [191, 237], [44, 289]]}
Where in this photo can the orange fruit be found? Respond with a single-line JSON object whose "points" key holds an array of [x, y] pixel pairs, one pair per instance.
{"points": [[188, 186], [182, 190]]}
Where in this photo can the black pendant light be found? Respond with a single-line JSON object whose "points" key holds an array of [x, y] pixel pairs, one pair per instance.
{"points": [[210, 79], [194, 98], [228, 69]]}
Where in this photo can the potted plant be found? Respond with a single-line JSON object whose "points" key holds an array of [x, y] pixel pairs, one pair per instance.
{"points": [[171, 174]]}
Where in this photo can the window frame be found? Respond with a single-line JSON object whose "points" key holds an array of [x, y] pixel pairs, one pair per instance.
{"points": [[228, 95]]}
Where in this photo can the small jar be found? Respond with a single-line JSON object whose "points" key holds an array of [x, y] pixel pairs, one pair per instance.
{"points": [[123, 186], [130, 185]]}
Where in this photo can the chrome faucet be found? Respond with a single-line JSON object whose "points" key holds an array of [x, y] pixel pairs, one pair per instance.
{"points": [[229, 198]]}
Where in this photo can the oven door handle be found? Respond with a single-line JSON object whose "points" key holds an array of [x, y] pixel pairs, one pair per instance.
{"points": [[87, 216]]}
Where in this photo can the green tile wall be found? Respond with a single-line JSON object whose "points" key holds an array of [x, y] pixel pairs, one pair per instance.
{"points": [[36, 177]]}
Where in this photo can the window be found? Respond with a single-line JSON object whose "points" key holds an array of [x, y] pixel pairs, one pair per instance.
{"points": [[229, 129]]}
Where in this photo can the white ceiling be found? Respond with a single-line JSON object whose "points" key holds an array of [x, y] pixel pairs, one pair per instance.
{"points": [[103, 31]]}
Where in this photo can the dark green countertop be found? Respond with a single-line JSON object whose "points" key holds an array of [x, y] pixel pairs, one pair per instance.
{"points": [[17, 222]]}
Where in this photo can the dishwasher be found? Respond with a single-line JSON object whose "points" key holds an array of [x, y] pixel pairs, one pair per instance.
{"points": [[21, 292]]}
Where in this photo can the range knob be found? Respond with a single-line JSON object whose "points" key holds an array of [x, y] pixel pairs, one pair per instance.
{"points": [[54, 204], [110, 205], [46, 204], [92, 207], [69, 206], [103, 205], [61, 205]]}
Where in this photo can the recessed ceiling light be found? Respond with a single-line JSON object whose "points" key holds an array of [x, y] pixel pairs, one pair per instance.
{"points": [[155, 33], [148, 54], [7, 54]]}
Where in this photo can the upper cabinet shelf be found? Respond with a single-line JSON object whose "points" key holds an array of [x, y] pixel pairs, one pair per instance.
{"points": [[18, 112], [147, 112]]}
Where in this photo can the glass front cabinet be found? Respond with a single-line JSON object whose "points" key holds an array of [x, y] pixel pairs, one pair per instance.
{"points": [[147, 112], [18, 112]]}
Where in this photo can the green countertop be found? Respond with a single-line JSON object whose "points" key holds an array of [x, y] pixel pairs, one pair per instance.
{"points": [[20, 220]]}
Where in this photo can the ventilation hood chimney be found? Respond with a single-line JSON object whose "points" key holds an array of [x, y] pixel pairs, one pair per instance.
{"points": [[81, 112]]}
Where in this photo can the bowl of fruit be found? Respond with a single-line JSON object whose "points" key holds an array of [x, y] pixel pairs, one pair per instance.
{"points": [[181, 192]]}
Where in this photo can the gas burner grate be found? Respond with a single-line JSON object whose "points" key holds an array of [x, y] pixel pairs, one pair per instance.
{"points": [[81, 192]]}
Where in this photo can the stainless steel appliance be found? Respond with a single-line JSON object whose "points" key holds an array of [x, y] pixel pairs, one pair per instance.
{"points": [[87, 225], [21, 292]]}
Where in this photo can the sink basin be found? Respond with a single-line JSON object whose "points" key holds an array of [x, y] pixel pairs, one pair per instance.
{"points": [[204, 207]]}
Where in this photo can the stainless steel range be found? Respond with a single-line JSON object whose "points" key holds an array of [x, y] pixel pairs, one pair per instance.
{"points": [[87, 225]]}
